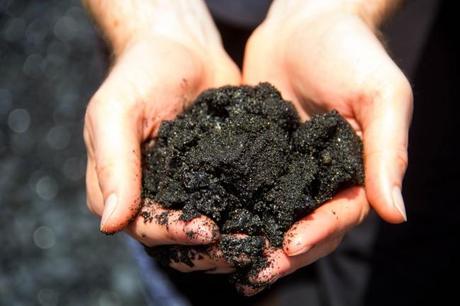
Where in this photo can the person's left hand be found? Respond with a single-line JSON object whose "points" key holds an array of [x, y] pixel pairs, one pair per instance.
{"points": [[327, 59]]}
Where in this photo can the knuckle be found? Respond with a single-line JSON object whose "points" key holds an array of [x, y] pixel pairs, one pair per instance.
{"points": [[90, 206], [405, 88], [97, 107], [104, 169], [89, 122], [173, 236], [400, 91], [89, 144], [401, 159], [175, 230], [91, 110], [87, 136], [394, 88]]}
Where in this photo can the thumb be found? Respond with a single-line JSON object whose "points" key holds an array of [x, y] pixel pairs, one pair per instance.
{"points": [[385, 122], [116, 153]]}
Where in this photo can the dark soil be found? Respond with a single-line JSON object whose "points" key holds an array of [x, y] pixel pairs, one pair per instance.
{"points": [[241, 156]]}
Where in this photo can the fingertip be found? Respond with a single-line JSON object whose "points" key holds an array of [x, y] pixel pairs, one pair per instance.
{"points": [[295, 249], [122, 202], [294, 243], [385, 122], [265, 276], [308, 231], [116, 155], [387, 201], [386, 125], [347, 209], [117, 216], [391, 209], [398, 202], [202, 230], [109, 209], [277, 264]]}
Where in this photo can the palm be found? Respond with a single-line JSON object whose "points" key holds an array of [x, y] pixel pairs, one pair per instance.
{"points": [[321, 64], [163, 77]]}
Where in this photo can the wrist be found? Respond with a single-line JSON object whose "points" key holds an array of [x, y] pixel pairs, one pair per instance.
{"points": [[372, 13], [124, 23]]}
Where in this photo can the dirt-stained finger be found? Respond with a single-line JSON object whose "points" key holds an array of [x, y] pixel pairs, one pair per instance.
{"points": [[158, 226]]}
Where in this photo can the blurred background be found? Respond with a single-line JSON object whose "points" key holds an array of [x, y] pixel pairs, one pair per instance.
{"points": [[51, 252]]}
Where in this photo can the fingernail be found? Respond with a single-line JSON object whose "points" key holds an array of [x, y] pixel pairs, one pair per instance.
{"points": [[109, 209], [202, 232], [398, 202], [298, 249]]}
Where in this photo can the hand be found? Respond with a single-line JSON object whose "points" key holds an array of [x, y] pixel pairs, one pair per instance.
{"points": [[323, 59], [156, 73]]}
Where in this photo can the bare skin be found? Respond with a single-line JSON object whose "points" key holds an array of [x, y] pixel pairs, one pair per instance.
{"points": [[323, 55], [155, 74]]}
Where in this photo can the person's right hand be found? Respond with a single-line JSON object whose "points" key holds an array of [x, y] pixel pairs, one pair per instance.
{"points": [[156, 73]]}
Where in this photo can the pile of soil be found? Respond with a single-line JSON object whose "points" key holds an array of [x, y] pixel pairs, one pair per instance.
{"points": [[241, 156]]}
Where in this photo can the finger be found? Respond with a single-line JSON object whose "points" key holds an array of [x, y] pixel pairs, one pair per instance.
{"points": [[385, 122], [212, 261], [216, 260], [94, 199], [114, 135], [319, 251], [158, 226], [345, 210], [276, 261], [280, 264]]}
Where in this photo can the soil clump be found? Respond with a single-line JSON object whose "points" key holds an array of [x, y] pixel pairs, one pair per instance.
{"points": [[241, 156]]}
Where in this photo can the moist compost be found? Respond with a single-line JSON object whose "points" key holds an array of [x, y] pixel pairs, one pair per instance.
{"points": [[242, 157]]}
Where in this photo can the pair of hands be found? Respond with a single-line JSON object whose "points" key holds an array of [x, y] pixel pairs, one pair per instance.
{"points": [[320, 60]]}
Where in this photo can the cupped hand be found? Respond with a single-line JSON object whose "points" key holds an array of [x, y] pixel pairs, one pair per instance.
{"points": [[327, 59], [153, 79]]}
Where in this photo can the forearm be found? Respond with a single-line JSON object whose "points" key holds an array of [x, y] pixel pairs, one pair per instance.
{"points": [[125, 21]]}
